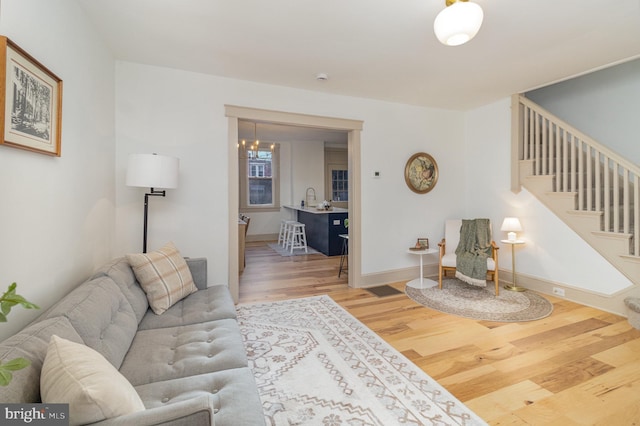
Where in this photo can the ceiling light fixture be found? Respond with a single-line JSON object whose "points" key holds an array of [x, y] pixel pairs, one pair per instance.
{"points": [[458, 23], [322, 76]]}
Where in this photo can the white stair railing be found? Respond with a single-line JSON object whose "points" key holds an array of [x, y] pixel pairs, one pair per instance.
{"points": [[604, 181]]}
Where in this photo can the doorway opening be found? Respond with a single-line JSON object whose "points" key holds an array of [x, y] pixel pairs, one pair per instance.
{"points": [[235, 114]]}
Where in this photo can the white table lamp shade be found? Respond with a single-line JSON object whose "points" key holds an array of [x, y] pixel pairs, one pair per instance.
{"points": [[511, 225], [152, 171]]}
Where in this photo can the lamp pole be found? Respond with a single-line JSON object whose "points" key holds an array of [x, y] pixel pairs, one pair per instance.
{"points": [[146, 213]]}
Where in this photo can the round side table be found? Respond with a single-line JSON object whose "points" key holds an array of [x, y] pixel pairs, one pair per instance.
{"points": [[422, 282]]}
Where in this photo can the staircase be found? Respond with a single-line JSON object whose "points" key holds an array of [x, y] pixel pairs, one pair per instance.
{"points": [[592, 189]]}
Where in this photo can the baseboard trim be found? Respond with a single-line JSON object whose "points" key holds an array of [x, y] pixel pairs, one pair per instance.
{"points": [[609, 303], [396, 275]]}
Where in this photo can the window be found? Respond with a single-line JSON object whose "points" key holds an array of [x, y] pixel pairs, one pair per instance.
{"points": [[339, 185], [256, 169], [259, 185]]}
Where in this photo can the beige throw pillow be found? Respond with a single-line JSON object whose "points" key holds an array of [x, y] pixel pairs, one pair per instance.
{"points": [[74, 373], [164, 275]]}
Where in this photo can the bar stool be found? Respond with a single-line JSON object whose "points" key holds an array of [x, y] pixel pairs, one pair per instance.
{"points": [[297, 238], [284, 230]]}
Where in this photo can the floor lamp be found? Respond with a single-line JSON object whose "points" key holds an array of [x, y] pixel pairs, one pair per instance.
{"points": [[152, 171], [512, 225]]}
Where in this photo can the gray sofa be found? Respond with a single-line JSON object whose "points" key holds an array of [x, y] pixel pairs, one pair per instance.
{"points": [[188, 365]]}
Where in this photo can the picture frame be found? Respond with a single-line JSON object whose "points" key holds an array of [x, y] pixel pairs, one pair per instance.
{"points": [[30, 102], [421, 173], [423, 243]]}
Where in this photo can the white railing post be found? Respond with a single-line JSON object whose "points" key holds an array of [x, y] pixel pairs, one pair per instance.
{"points": [[616, 198], [565, 161], [589, 179], [636, 214], [607, 194], [544, 141], [625, 201], [598, 183]]}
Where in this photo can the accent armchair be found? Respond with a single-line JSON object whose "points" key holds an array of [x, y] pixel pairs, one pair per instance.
{"points": [[448, 245]]}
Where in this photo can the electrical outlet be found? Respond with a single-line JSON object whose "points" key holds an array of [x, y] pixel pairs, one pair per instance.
{"points": [[558, 291]]}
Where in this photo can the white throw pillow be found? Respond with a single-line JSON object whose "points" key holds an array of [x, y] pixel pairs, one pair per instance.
{"points": [[164, 275], [75, 374]]}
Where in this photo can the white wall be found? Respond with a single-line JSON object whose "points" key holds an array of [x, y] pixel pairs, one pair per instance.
{"points": [[603, 105], [57, 214], [552, 250], [307, 165], [181, 113]]}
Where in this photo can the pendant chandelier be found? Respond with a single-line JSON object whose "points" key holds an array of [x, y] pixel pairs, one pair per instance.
{"points": [[458, 23], [256, 142]]}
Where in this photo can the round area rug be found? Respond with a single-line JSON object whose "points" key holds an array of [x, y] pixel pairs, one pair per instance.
{"points": [[481, 303]]}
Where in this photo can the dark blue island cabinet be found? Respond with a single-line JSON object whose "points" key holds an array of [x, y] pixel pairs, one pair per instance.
{"points": [[323, 229]]}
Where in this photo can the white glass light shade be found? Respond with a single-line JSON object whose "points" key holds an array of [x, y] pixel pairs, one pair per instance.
{"points": [[512, 225], [458, 23], [152, 171]]}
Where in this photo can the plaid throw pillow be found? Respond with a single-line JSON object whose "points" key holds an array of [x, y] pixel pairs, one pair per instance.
{"points": [[164, 276]]}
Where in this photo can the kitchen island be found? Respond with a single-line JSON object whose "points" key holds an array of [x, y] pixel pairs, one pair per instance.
{"points": [[323, 227]]}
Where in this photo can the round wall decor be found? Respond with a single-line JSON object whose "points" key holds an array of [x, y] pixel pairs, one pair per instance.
{"points": [[421, 173]]}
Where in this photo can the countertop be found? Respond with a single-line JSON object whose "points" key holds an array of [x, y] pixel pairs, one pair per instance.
{"points": [[316, 211]]}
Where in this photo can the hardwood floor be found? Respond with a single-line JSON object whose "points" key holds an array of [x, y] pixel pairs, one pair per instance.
{"points": [[580, 366]]}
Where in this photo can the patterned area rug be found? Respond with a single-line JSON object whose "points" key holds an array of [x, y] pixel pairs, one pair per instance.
{"points": [[315, 364], [296, 252], [481, 303]]}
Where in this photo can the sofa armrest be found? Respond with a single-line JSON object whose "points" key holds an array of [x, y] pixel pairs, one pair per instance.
{"points": [[198, 268], [196, 411]]}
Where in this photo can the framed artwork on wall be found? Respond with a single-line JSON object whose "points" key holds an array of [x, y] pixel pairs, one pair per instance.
{"points": [[31, 102], [421, 173]]}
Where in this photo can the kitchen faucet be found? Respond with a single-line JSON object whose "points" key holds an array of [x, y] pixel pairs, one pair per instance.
{"points": [[307, 196]]}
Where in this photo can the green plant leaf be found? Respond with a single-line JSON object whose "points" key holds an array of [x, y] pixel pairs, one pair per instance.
{"points": [[8, 300], [5, 307], [17, 299], [5, 377], [16, 364]]}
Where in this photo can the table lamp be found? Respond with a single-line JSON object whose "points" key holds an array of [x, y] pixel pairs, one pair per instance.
{"points": [[511, 225]]}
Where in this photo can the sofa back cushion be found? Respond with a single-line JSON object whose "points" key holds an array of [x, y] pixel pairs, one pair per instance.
{"points": [[31, 343], [121, 273], [102, 316]]}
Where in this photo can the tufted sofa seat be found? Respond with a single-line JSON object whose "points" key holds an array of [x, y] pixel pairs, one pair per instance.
{"points": [[188, 365]]}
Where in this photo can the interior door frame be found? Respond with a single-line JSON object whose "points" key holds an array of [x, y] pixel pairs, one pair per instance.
{"points": [[352, 127]]}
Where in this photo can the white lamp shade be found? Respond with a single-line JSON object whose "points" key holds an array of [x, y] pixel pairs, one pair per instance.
{"points": [[152, 171], [512, 225], [458, 23]]}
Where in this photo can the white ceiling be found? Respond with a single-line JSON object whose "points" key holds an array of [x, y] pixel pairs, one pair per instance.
{"points": [[373, 48]]}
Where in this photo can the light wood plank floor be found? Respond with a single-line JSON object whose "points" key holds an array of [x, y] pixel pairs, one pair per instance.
{"points": [[580, 366]]}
